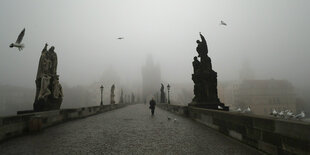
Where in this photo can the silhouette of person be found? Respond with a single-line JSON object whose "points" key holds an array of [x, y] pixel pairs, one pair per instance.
{"points": [[152, 106]]}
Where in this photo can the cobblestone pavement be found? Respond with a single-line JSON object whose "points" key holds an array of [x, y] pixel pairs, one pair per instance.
{"points": [[130, 130]]}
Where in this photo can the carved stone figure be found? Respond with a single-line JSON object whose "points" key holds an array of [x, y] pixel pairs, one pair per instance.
{"points": [[57, 89], [162, 94], [112, 94], [48, 89], [205, 79], [196, 65]]}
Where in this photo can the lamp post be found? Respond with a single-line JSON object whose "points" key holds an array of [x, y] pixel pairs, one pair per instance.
{"points": [[101, 88], [168, 87]]}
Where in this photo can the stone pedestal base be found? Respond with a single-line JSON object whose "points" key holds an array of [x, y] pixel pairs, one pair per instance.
{"points": [[210, 105], [51, 104]]}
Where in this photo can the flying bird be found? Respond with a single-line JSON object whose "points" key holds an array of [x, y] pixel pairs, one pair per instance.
{"points": [[18, 43], [223, 23], [120, 38]]}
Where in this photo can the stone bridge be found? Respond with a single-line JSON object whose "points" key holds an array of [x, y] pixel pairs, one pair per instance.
{"points": [[129, 130]]}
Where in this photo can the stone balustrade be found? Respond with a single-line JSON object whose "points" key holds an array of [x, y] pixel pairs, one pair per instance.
{"points": [[12, 126], [268, 134]]}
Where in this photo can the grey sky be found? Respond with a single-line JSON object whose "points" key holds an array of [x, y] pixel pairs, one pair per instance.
{"points": [[272, 35]]}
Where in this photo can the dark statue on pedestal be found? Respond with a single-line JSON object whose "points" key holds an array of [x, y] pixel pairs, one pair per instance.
{"points": [[205, 80], [48, 89], [162, 94]]}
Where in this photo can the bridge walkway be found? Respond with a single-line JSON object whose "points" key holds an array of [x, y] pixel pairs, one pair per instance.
{"points": [[130, 130]]}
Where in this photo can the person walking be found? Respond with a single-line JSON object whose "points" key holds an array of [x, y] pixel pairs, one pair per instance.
{"points": [[152, 106]]}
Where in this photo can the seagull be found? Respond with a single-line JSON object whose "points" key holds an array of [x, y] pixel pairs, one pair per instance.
{"points": [[120, 38], [223, 23], [238, 110], [219, 107], [301, 115], [289, 114], [175, 120], [247, 110], [18, 43], [281, 113], [274, 112]]}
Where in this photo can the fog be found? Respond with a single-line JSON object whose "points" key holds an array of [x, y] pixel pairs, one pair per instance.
{"points": [[273, 36]]}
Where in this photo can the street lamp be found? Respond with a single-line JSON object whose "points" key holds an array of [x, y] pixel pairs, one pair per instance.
{"points": [[168, 86], [101, 88]]}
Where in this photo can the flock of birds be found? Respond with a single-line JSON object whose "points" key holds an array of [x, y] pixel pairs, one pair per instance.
{"points": [[246, 110], [18, 44], [288, 114]]}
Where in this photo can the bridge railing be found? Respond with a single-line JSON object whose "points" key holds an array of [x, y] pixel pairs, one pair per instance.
{"points": [[268, 134], [12, 126]]}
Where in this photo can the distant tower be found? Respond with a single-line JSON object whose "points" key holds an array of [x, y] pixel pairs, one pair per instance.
{"points": [[151, 78]]}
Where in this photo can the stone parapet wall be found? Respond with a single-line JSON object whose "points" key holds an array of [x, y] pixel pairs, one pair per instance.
{"points": [[12, 126], [268, 134], [177, 109]]}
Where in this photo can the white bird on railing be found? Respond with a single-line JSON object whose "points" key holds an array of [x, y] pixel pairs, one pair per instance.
{"points": [[219, 107], [247, 110], [175, 120], [274, 112], [281, 113], [301, 115], [289, 114], [238, 109]]}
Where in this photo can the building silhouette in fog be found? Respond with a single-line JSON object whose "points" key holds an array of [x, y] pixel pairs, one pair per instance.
{"points": [[151, 78], [262, 95]]}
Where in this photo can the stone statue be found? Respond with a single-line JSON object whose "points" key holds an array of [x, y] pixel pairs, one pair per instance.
{"points": [[162, 94], [205, 79], [48, 89], [202, 47], [57, 89], [112, 94], [196, 65]]}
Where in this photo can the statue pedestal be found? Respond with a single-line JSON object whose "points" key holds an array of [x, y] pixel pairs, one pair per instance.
{"points": [[51, 104]]}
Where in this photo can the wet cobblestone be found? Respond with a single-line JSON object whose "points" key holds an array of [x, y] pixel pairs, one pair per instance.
{"points": [[130, 130]]}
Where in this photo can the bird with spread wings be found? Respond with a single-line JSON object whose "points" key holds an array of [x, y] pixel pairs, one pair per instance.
{"points": [[223, 23], [18, 43]]}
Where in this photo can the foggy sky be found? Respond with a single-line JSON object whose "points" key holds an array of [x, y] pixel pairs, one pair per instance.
{"points": [[272, 35]]}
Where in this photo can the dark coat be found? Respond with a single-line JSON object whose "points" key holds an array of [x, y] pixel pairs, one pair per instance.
{"points": [[152, 104]]}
